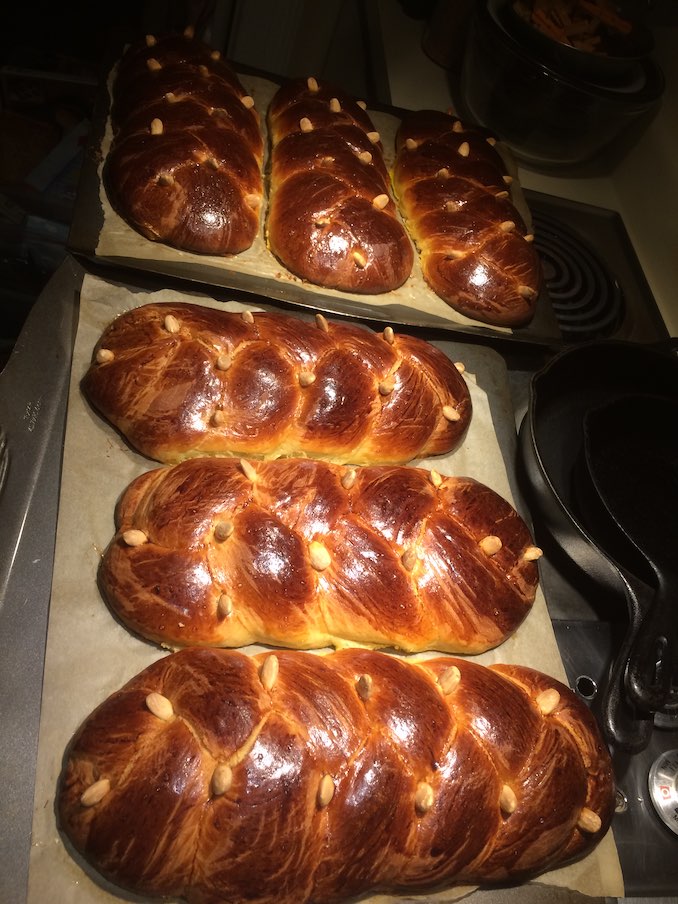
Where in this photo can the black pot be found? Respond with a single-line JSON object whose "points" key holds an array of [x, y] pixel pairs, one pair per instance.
{"points": [[549, 115]]}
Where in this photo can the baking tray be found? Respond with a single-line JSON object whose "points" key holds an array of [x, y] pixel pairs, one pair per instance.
{"points": [[99, 233], [87, 654]]}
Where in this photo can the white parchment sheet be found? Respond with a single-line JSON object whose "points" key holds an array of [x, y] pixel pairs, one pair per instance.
{"points": [[89, 654]]}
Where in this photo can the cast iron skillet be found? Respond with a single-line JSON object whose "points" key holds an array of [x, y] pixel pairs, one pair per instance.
{"points": [[574, 382], [631, 466]]}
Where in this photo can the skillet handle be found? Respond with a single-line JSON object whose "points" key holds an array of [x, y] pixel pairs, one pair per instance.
{"points": [[653, 657], [626, 727]]}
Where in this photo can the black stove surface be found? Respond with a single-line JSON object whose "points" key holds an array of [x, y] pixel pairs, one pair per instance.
{"points": [[592, 274]]}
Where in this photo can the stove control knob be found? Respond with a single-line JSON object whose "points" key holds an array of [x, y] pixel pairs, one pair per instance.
{"points": [[663, 787]]}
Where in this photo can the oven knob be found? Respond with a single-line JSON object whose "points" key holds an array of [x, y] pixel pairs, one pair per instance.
{"points": [[663, 786]]}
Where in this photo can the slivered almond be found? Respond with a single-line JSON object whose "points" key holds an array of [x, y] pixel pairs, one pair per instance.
{"points": [[248, 469], [312, 83], [268, 674], [224, 361], [589, 821], [104, 356], [490, 545], [409, 558], [507, 800], [423, 798], [160, 706], [153, 64], [223, 530], [547, 701], [157, 127], [321, 323], [171, 324], [95, 793], [532, 553], [450, 413], [389, 335], [135, 537], [449, 679], [222, 779], [247, 101], [248, 317], [364, 687], [348, 478], [305, 124], [374, 137], [319, 556], [464, 149], [224, 606], [335, 106], [325, 791], [306, 378], [381, 201]]}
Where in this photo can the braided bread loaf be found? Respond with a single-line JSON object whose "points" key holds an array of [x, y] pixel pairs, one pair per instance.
{"points": [[331, 219], [306, 554], [288, 778], [474, 249], [185, 163], [181, 379]]}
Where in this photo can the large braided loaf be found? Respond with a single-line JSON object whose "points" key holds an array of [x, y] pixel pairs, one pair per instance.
{"points": [[290, 777], [305, 554], [474, 248], [185, 164], [331, 218], [183, 379]]}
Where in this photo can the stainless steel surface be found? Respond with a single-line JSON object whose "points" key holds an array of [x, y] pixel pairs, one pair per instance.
{"points": [[33, 391]]}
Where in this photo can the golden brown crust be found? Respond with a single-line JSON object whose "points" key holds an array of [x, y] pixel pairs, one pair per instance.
{"points": [[185, 164], [180, 380], [451, 186], [331, 219], [295, 778], [305, 554]]}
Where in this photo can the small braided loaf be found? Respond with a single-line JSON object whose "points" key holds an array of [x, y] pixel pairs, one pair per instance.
{"points": [[180, 380], [475, 252], [331, 218], [290, 777], [185, 164], [305, 554]]}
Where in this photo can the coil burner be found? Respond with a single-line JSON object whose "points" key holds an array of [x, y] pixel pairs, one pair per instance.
{"points": [[587, 300]]}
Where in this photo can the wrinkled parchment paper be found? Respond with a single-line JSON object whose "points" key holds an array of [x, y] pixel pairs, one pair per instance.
{"points": [[257, 270], [89, 654]]}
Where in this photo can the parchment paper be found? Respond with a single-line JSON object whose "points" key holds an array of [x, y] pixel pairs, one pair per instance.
{"points": [[257, 270], [89, 654]]}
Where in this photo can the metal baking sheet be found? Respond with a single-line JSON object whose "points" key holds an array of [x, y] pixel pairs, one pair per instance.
{"points": [[89, 654], [99, 233]]}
